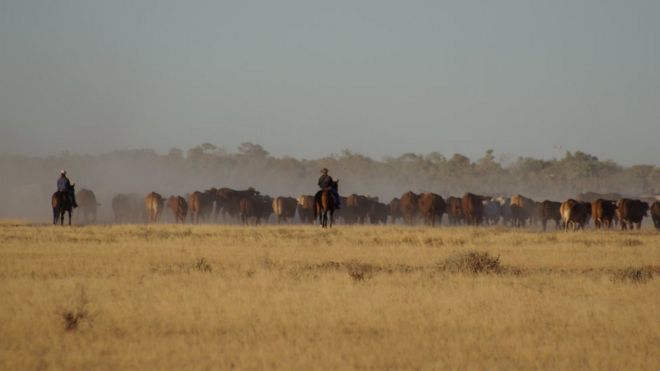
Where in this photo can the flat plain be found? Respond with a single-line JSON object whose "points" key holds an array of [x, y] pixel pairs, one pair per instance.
{"points": [[297, 297]]}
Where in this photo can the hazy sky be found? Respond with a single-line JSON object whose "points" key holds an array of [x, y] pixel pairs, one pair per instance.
{"points": [[310, 78]]}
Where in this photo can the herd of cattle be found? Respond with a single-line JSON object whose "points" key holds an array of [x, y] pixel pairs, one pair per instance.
{"points": [[249, 206]]}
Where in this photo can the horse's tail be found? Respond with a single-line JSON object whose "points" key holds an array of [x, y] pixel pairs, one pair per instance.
{"points": [[55, 200]]}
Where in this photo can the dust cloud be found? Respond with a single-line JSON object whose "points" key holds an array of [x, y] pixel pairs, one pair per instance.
{"points": [[28, 182]]}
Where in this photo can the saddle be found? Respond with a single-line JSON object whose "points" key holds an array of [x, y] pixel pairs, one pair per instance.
{"points": [[317, 197]]}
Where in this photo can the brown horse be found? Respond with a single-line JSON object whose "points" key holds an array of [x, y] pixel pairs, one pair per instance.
{"points": [[61, 203], [325, 204], [153, 205]]}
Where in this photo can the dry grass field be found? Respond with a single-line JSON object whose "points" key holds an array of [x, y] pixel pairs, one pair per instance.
{"points": [[299, 298]]}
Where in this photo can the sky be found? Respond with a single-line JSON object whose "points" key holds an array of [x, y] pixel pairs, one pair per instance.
{"points": [[312, 78]]}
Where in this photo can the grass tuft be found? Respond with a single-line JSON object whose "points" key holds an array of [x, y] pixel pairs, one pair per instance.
{"points": [[73, 317], [202, 265], [472, 262], [635, 275]]}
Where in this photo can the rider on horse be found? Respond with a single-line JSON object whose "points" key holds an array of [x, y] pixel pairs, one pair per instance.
{"points": [[64, 185], [326, 182]]}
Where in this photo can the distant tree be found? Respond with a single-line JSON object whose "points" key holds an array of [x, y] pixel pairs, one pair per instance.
{"points": [[252, 150]]}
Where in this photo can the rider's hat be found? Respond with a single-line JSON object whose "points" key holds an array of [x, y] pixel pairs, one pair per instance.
{"points": [[324, 170], [63, 172]]}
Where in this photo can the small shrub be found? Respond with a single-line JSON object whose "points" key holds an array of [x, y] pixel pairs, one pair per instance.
{"points": [[633, 275], [356, 275], [359, 271], [472, 262], [632, 242], [202, 265], [73, 317]]}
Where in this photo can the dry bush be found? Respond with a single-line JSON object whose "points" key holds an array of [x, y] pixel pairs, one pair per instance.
{"points": [[472, 262], [358, 271], [202, 265], [73, 317], [636, 275], [632, 242]]}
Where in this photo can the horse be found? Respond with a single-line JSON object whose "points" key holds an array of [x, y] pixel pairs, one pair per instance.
{"points": [[325, 203], [61, 203]]}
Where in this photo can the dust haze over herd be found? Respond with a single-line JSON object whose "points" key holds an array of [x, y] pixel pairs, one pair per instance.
{"points": [[180, 172]]}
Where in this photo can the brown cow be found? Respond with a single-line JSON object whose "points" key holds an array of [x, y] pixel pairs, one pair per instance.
{"points": [[201, 205], [358, 207], [306, 209], [631, 212], [430, 206], [394, 209], [473, 208], [550, 210], [522, 208], [255, 208], [87, 205], [264, 208], [285, 208], [247, 209], [507, 215], [228, 200], [408, 205], [346, 214], [153, 205], [377, 211], [492, 211], [454, 210], [602, 212], [575, 214], [179, 208], [655, 214]]}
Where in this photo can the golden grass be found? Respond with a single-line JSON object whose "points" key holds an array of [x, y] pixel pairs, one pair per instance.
{"points": [[222, 297]]}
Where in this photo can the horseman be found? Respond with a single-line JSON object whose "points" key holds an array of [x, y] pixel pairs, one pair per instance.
{"points": [[326, 182], [64, 185]]}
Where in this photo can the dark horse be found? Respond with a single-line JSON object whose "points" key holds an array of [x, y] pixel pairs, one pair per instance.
{"points": [[325, 203], [61, 203]]}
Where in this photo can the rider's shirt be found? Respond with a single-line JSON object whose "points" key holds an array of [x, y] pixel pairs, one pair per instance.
{"points": [[325, 181], [63, 184]]}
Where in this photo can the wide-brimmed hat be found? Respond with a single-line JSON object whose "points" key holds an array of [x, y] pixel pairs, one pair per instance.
{"points": [[63, 172], [324, 170]]}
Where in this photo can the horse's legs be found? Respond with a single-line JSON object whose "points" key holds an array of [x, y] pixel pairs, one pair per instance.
{"points": [[69, 217], [332, 213]]}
